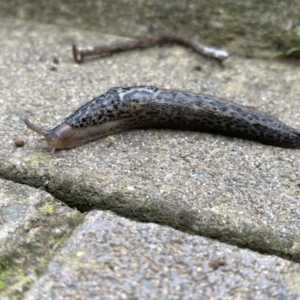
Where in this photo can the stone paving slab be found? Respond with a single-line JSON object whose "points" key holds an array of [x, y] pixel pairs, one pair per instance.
{"points": [[236, 24], [111, 257], [33, 226], [237, 191]]}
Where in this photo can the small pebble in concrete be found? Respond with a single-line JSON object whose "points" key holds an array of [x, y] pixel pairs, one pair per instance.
{"points": [[19, 143]]}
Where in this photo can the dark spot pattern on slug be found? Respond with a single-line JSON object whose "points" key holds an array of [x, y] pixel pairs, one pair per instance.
{"points": [[152, 107]]}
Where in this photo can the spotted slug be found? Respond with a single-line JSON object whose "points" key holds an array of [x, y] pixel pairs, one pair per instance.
{"points": [[121, 109]]}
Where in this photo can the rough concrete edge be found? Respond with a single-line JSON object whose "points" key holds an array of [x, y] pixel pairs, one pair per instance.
{"points": [[23, 260], [85, 197]]}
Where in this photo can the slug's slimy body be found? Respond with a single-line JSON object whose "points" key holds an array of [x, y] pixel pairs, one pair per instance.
{"points": [[122, 109]]}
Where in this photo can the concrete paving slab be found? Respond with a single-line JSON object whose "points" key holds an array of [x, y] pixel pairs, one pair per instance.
{"points": [[33, 226], [235, 24], [111, 257], [237, 191]]}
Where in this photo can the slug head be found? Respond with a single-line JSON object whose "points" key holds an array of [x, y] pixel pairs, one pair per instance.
{"points": [[61, 137]]}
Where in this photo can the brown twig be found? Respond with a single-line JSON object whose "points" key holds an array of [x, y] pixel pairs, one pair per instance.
{"points": [[80, 52]]}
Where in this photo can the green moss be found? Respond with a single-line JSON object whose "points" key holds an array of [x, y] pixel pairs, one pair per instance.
{"points": [[3, 278], [22, 251], [59, 241], [38, 158], [291, 51], [46, 261], [21, 280], [3, 275], [47, 209], [40, 167], [3, 265]]}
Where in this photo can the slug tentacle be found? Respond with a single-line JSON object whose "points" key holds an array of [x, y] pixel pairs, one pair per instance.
{"points": [[38, 130], [121, 109]]}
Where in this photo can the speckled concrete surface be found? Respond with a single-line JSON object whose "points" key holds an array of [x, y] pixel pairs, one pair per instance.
{"points": [[237, 191], [33, 225], [113, 258]]}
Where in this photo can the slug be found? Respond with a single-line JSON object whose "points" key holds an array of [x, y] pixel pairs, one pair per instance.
{"points": [[121, 109]]}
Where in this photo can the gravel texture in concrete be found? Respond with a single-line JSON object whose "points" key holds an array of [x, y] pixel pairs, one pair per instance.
{"points": [[111, 257]]}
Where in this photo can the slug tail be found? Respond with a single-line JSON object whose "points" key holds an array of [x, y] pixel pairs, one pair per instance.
{"points": [[36, 129]]}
